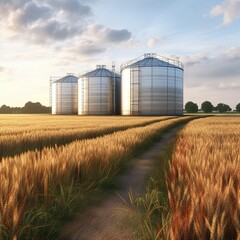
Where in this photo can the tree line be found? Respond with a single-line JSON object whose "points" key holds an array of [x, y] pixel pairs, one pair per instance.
{"points": [[29, 107], [207, 107], [190, 107]]}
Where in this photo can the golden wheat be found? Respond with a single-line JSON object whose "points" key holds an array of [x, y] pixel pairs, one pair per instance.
{"points": [[34, 173], [204, 180], [17, 124], [20, 133]]}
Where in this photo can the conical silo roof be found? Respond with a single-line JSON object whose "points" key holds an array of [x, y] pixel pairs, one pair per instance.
{"points": [[101, 72], [67, 79], [152, 60]]}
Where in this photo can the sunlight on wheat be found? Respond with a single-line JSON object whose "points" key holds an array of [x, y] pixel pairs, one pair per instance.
{"points": [[204, 180], [35, 172]]}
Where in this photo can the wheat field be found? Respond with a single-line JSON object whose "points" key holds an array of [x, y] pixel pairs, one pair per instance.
{"points": [[35, 174], [24, 123], [20, 133], [204, 180]]}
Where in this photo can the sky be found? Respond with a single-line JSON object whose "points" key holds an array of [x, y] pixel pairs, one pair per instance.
{"points": [[43, 38]]}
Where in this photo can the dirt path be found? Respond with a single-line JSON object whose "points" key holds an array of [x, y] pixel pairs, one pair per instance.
{"points": [[105, 222]]}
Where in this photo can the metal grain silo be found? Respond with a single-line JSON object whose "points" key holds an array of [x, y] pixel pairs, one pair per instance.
{"points": [[64, 94], [152, 85], [98, 92]]}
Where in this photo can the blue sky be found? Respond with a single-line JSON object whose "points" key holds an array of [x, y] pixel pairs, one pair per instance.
{"points": [[40, 38]]}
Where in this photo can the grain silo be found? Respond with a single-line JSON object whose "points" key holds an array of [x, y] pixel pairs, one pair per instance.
{"points": [[152, 85], [98, 92], [64, 94]]}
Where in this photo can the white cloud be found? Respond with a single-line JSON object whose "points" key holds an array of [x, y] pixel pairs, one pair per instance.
{"points": [[214, 78], [207, 70], [56, 22], [195, 59], [229, 85], [46, 20], [229, 9], [103, 34], [94, 41], [53, 30], [153, 42], [31, 13], [88, 49]]}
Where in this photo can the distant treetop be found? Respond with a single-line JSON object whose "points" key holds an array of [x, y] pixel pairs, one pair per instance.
{"points": [[207, 107], [238, 107], [191, 107], [29, 107], [222, 107]]}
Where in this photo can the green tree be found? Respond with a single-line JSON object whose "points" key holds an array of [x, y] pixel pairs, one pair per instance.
{"points": [[222, 107], [5, 109], [238, 107], [37, 107], [191, 107], [16, 110], [207, 107]]}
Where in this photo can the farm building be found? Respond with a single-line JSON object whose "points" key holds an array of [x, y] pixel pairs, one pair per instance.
{"points": [[152, 85], [98, 92], [148, 85], [64, 94]]}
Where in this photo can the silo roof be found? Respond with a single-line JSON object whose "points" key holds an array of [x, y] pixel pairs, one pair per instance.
{"points": [[152, 60], [101, 72], [67, 79]]}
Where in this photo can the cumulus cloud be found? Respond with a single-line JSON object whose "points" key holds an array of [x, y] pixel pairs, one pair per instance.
{"points": [[11, 5], [229, 9], [193, 60], [31, 13], [212, 77], [112, 35], [45, 20], [52, 21], [71, 7], [95, 40], [82, 49], [229, 85], [54, 30], [88, 49], [107, 35], [214, 72], [153, 42]]}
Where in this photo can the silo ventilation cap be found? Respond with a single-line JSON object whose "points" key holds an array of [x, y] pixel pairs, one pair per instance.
{"points": [[150, 55], [101, 67]]}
